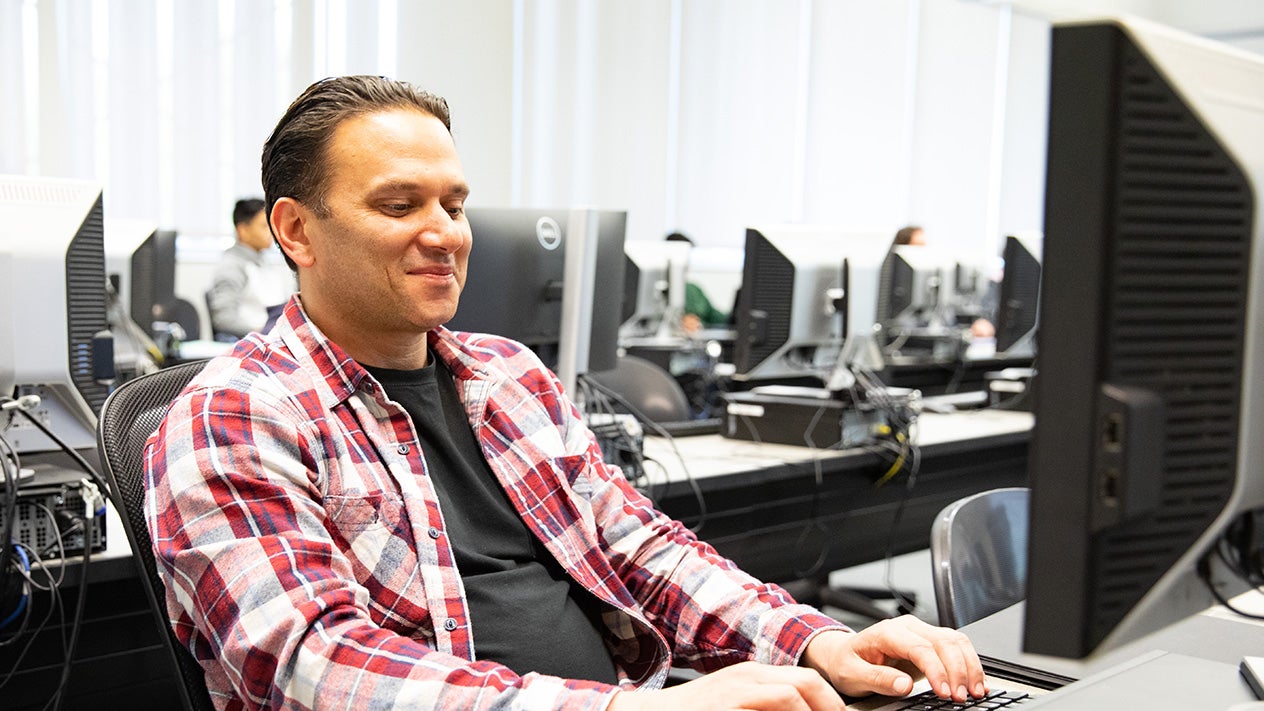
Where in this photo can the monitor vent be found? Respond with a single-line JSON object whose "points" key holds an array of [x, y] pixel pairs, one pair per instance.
{"points": [[85, 304], [1178, 289], [40, 193]]}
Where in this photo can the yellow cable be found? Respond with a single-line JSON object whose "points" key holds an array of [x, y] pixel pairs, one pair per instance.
{"points": [[897, 465]]}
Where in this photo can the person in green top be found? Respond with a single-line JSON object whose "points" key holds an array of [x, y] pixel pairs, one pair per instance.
{"points": [[699, 312]]}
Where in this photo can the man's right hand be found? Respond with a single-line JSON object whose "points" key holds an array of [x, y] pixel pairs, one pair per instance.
{"points": [[749, 685]]}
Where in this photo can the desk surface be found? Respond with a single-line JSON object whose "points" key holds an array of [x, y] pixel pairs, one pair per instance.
{"points": [[784, 513], [1190, 664], [705, 456], [714, 455], [1215, 634]]}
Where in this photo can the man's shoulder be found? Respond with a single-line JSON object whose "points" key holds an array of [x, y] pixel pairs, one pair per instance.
{"points": [[257, 368]]}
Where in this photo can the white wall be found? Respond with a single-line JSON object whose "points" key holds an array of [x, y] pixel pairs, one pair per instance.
{"points": [[696, 115]]}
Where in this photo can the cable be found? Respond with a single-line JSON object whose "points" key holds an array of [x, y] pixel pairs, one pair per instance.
{"points": [[25, 598], [92, 496], [70, 452], [621, 438], [54, 605], [75, 626], [11, 468], [661, 432], [1204, 573]]}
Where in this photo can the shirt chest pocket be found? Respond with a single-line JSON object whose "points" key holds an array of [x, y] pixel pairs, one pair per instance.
{"points": [[372, 530], [367, 525]]}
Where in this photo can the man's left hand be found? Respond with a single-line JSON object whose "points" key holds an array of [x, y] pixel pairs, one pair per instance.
{"points": [[861, 663]]}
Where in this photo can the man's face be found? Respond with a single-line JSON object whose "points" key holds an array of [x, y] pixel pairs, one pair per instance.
{"points": [[254, 233], [389, 257]]}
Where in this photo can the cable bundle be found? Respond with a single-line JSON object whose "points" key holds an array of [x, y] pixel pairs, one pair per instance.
{"points": [[31, 560]]}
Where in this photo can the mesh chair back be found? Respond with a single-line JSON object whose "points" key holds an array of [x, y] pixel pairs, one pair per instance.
{"points": [[979, 554], [130, 414]]}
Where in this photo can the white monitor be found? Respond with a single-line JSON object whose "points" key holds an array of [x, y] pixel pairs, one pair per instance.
{"points": [[654, 288], [53, 308]]}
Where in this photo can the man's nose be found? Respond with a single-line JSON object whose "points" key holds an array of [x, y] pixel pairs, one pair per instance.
{"points": [[439, 230]]}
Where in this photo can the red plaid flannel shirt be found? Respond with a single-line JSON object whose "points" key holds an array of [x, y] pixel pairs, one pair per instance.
{"points": [[306, 559]]}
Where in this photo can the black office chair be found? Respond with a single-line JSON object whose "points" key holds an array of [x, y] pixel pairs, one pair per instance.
{"points": [[130, 414], [978, 552], [647, 387], [186, 314]]}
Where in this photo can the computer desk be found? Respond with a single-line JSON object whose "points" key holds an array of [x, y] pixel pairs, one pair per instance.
{"points": [[1201, 653], [748, 486], [757, 494], [784, 513]]}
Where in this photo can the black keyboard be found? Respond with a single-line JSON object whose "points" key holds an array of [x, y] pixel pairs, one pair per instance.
{"points": [[996, 699]]}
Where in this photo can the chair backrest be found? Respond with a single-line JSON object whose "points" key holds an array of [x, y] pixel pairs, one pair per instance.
{"points": [[130, 414], [647, 387], [978, 551]]}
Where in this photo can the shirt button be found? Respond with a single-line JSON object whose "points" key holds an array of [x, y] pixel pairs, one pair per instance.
{"points": [[402, 449], [434, 532], [449, 624]]}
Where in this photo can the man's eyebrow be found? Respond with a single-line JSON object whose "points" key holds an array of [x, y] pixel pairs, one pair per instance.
{"points": [[460, 189]]}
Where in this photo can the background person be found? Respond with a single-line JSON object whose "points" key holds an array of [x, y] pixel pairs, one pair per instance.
{"points": [[241, 289], [699, 312], [915, 235]]}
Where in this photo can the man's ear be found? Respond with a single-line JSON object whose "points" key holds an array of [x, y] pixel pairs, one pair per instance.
{"points": [[289, 224]]}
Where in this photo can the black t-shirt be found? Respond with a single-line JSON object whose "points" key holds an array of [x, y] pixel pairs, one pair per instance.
{"points": [[526, 612]]}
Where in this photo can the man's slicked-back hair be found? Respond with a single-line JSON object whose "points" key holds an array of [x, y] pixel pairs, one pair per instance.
{"points": [[295, 157]]}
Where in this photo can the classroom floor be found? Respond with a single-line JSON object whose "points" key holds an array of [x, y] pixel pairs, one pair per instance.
{"points": [[909, 572]]}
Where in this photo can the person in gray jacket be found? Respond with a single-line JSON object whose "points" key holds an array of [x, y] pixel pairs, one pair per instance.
{"points": [[241, 291]]}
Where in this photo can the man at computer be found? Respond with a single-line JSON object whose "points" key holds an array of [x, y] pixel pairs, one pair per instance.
{"points": [[241, 291], [364, 507]]}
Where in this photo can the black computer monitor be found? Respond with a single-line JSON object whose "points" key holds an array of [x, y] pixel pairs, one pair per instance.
{"points": [[792, 313], [153, 280], [140, 262], [1146, 456], [1018, 306], [516, 280], [53, 325], [913, 287]]}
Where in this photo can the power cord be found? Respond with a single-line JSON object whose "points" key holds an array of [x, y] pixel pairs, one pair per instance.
{"points": [[1238, 550], [75, 627], [10, 588], [661, 432], [61, 444]]}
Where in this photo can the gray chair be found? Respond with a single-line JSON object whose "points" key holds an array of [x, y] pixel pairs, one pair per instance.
{"points": [[130, 414], [978, 550]]}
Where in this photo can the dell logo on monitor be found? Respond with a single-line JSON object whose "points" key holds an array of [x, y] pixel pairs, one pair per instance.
{"points": [[548, 232]]}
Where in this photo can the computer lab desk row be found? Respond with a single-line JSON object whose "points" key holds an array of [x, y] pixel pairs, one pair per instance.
{"points": [[779, 510], [784, 512]]}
